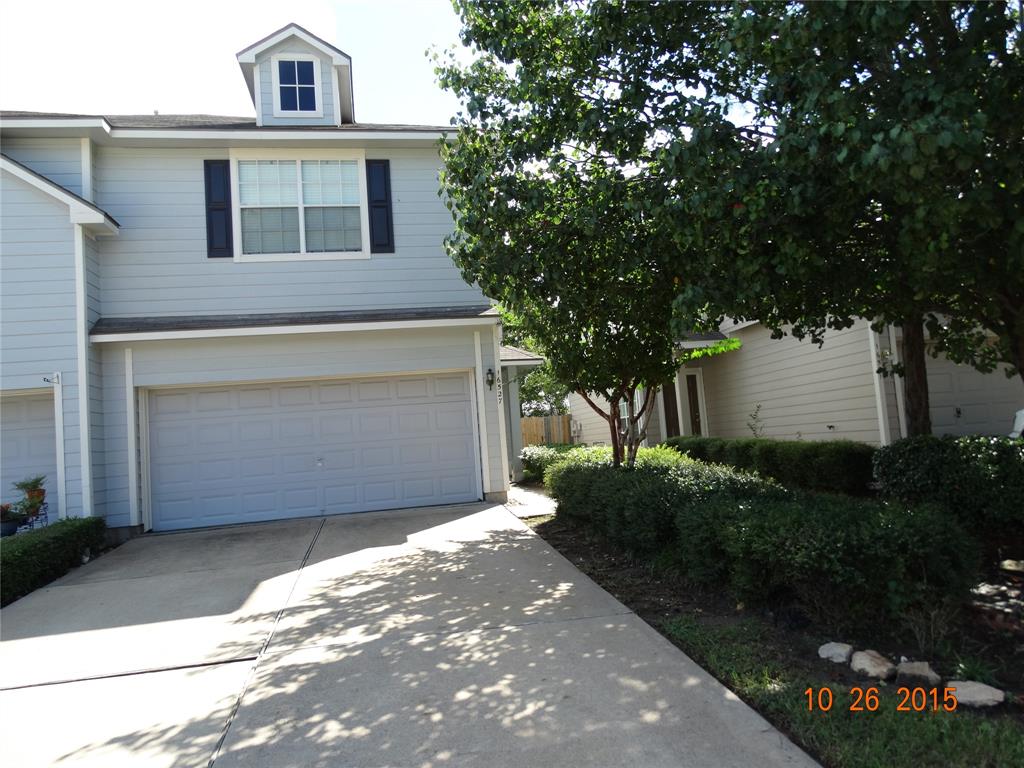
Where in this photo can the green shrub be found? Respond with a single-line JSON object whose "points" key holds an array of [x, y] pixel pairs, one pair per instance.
{"points": [[641, 509], [848, 562], [978, 479], [35, 558], [843, 561], [537, 458], [834, 466]]}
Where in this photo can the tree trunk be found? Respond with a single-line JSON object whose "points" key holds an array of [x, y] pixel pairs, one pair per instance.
{"points": [[915, 377]]}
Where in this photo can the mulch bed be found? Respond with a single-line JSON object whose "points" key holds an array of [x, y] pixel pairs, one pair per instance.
{"points": [[658, 596]]}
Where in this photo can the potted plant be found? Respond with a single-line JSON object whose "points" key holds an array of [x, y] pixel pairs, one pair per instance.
{"points": [[35, 493], [10, 519]]}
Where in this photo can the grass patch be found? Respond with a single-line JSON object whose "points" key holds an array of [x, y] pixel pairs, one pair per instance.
{"points": [[742, 656]]}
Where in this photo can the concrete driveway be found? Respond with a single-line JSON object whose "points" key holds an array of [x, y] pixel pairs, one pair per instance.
{"points": [[438, 637]]}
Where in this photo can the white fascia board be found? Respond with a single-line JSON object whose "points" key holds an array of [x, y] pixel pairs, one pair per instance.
{"points": [[727, 328], [281, 330], [40, 123], [272, 136], [79, 212], [248, 56]]}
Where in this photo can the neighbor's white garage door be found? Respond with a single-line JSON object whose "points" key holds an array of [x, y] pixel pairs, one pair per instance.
{"points": [[28, 445], [222, 455], [965, 402]]}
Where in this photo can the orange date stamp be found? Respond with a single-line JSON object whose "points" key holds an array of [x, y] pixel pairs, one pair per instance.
{"points": [[866, 699]]}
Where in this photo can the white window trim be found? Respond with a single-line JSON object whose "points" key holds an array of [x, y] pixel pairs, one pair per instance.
{"points": [[297, 155], [275, 78]]}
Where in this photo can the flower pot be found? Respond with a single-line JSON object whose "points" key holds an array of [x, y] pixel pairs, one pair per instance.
{"points": [[8, 527]]}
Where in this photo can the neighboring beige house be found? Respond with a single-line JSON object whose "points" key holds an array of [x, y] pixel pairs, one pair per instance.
{"points": [[808, 392]]}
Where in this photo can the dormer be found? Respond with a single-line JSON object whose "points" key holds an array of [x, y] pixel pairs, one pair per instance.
{"points": [[297, 79]]}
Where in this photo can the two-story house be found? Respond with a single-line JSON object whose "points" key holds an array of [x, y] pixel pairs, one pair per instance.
{"points": [[213, 320]]}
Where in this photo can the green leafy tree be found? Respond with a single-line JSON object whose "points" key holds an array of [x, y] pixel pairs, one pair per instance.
{"points": [[540, 391], [561, 247], [799, 164]]}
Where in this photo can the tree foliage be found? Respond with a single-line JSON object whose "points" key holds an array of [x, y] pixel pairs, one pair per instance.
{"points": [[802, 164], [540, 391]]}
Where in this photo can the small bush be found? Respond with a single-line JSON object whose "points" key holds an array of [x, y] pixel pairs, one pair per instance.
{"points": [[978, 479], [35, 558], [537, 458], [834, 466]]}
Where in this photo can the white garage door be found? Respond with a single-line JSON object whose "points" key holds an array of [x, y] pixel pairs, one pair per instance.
{"points": [[965, 402], [222, 455], [28, 445]]}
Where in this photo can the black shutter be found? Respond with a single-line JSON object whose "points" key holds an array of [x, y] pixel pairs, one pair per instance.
{"points": [[218, 209], [378, 195]]}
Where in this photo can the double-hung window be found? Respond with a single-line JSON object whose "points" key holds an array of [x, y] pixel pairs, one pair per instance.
{"points": [[301, 207], [296, 84]]}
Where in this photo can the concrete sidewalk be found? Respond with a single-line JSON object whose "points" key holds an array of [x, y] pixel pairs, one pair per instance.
{"points": [[450, 636]]}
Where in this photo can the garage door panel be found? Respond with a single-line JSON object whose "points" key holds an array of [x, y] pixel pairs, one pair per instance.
{"points": [[234, 454], [28, 443], [331, 394]]}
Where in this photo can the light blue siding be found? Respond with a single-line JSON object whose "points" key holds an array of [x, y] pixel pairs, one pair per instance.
{"points": [[266, 94], [59, 160], [157, 265], [37, 307]]}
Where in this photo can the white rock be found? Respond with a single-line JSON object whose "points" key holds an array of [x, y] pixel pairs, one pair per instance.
{"points": [[973, 694], [917, 673], [872, 664], [838, 652]]}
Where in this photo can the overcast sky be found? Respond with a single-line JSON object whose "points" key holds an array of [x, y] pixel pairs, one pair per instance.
{"points": [[135, 56]]}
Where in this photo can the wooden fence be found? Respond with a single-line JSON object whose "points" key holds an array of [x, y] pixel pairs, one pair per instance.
{"points": [[539, 430]]}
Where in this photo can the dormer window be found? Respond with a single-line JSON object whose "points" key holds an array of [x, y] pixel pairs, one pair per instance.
{"points": [[296, 86]]}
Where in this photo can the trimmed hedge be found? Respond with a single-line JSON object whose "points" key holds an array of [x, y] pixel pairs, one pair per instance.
{"points": [[978, 479], [35, 558], [833, 466], [842, 561]]}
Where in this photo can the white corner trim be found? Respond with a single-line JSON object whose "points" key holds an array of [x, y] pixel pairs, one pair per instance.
{"points": [[87, 192], [502, 428], [682, 422], [279, 330], [901, 406], [58, 429], [660, 396], [705, 422], [133, 439], [82, 337], [337, 96], [481, 412], [147, 493], [275, 81], [257, 90], [884, 437]]}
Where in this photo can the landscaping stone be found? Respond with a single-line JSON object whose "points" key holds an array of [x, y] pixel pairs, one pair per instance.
{"points": [[872, 664], [917, 673], [973, 694], [838, 652]]}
